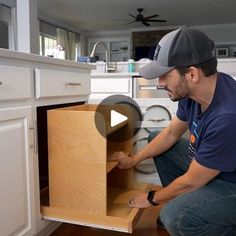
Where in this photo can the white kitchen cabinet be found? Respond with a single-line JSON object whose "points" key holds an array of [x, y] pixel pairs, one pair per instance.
{"points": [[29, 82], [16, 159], [54, 87], [16, 177]]}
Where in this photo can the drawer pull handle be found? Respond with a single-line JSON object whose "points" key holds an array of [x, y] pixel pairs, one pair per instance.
{"points": [[73, 84], [158, 120], [150, 87], [1, 83]]}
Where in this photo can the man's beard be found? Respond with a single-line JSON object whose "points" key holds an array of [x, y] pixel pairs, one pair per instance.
{"points": [[182, 91]]}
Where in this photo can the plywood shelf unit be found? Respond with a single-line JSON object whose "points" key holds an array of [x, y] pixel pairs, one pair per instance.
{"points": [[84, 187]]}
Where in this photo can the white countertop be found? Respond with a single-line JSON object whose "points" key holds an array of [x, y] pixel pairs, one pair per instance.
{"points": [[10, 54], [114, 74]]}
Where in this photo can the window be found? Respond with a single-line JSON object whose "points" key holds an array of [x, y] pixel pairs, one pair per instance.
{"points": [[48, 45], [7, 27], [58, 42], [4, 39], [77, 51]]}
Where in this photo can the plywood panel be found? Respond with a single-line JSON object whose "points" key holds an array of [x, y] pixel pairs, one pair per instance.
{"points": [[77, 167]]}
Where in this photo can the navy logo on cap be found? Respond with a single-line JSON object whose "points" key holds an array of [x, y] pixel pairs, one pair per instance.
{"points": [[156, 52]]}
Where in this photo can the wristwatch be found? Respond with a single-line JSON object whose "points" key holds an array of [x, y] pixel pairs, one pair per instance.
{"points": [[150, 197]]}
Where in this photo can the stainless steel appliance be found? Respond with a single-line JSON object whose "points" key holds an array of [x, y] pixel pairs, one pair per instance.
{"points": [[144, 88], [157, 111]]}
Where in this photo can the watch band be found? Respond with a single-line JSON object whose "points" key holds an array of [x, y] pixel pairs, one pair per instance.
{"points": [[150, 197]]}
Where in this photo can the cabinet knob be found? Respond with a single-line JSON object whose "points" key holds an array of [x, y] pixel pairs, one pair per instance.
{"points": [[1, 83]]}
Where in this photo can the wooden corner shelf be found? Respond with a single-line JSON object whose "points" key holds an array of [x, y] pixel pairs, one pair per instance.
{"points": [[111, 165], [84, 187]]}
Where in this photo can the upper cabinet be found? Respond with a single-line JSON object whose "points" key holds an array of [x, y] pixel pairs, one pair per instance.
{"points": [[118, 49]]}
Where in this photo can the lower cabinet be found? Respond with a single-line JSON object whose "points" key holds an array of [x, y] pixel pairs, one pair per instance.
{"points": [[16, 181], [85, 188]]}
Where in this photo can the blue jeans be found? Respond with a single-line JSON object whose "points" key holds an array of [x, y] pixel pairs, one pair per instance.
{"points": [[208, 211]]}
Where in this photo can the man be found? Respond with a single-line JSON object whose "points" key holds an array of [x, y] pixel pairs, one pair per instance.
{"points": [[199, 184]]}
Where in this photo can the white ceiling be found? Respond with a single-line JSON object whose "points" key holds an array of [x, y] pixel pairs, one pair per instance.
{"points": [[109, 15], [103, 15]]}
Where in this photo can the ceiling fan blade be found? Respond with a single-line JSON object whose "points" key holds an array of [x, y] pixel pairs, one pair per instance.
{"points": [[132, 16], [145, 23], [149, 17], [129, 22], [156, 20]]}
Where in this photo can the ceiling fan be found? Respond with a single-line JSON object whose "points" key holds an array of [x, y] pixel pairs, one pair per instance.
{"points": [[143, 19]]}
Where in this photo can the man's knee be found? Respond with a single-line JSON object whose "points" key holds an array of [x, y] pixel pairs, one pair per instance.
{"points": [[168, 216], [179, 219]]}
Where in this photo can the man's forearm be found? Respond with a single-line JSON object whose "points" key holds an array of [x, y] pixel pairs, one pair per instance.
{"points": [[176, 188]]}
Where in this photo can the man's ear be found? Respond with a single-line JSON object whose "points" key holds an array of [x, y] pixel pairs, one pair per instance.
{"points": [[193, 74]]}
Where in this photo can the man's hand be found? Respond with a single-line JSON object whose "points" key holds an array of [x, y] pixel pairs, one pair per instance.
{"points": [[125, 161], [140, 201]]}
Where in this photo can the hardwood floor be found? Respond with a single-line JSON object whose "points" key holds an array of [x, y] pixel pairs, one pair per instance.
{"points": [[146, 226]]}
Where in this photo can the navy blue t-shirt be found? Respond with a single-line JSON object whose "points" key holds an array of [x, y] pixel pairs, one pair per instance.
{"points": [[212, 139]]}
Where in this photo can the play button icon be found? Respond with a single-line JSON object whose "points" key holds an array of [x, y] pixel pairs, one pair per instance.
{"points": [[117, 118], [118, 115]]}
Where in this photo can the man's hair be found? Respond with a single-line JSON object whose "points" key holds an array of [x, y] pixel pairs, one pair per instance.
{"points": [[208, 68]]}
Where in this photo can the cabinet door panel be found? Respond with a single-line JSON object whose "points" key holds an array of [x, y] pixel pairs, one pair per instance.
{"points": [[15, 195]]}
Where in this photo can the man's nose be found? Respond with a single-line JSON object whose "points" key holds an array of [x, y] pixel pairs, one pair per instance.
{"points": [[161, 82]]}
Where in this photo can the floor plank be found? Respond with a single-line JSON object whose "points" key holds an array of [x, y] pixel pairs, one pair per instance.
{"points": [[145, 226]]}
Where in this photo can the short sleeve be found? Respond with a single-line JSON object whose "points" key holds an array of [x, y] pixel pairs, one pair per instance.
{"points": [[218, 146]]}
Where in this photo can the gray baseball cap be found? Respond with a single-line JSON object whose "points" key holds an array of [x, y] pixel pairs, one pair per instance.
{"points": [[179, 48]]}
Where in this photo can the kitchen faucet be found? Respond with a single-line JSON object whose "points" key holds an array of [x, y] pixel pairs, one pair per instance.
{"points": [[107, 69]]}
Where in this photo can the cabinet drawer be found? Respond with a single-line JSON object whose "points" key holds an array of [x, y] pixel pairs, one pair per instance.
{"points": [[110, 86], [15, 82], [54, 83]]}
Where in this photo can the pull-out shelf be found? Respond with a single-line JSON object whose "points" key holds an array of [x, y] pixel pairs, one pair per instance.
{"points": [[85, 188]]}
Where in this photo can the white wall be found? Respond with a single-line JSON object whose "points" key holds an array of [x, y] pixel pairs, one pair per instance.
{"points": [[221, 34]]}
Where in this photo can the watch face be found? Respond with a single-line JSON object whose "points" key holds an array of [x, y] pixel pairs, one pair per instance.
{"points": [[156, 114]]}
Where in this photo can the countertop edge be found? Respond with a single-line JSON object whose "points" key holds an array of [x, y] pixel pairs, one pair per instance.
{"points": [[114, 74], [10, 54]]}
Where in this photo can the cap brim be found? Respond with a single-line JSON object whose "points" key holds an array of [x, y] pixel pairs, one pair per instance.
{"points": [[153, 70]]}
